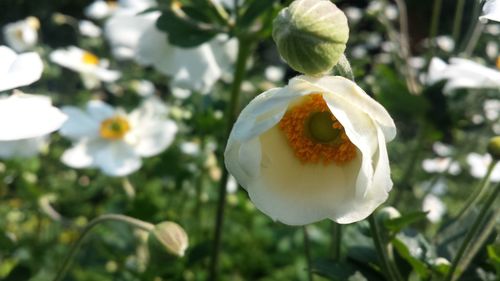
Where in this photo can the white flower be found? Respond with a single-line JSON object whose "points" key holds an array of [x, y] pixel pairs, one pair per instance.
{"points": [[441, 165], [89, 29], [491, 11], [312, 150], [99, 9], [434, 206], [87, 64], [18, 70], [354, 14], [114, 141], [479, 166], [23, 148], [445, 43], [274, 73], [22, 35], [24, 116], [442, 149], [491, 109], [136, 36], [144, 88], [462, 73]]}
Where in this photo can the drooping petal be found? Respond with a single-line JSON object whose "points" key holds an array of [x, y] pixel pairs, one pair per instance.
{"points": [[491, 11], [117, 159], [24, 116], [24, 148], [79, 124], [353, 94], [18, 70]]}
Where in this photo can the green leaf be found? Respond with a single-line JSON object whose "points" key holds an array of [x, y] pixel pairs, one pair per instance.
{"points": [[254, 9], [341, 271], [183, 32], [494, 256], [398, 224]]}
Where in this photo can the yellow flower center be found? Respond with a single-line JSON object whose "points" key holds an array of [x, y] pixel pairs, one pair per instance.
{"points": [[314, 133], [114, 128], [89, 58], [498, 62]]}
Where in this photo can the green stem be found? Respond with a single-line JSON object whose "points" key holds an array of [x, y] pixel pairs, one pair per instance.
{"points": [[239, 74], [380, 246], [476, 226], [473, 27], [307, 253], [436, 12], [477, 192], [108, 217], [336, 241], [457, 22]]}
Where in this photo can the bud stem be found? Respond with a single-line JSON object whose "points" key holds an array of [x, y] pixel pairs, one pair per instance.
{"points": [[307, 252], [108, 217], [343, 68]]}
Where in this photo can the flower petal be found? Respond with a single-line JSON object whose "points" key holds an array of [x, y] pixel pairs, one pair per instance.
{"points": [[79, 124], [117, 159], [24, 148], [99, 110], [82, 154], [20, 70], [154, 137]]}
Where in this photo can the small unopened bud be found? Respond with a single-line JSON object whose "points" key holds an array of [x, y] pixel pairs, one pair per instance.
{"points": [[171, 237], [311, 35], [494, 148], [387, 213]]}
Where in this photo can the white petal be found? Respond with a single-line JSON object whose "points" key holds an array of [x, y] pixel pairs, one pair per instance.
{"points": [[117, 159], [24, 148], [491, 11], [154, 137], [79, 124], [291, 192], [376, 194], [99, 110], [124, 29], [25, 116], [17, 71], [352, 93], [83, 153]]}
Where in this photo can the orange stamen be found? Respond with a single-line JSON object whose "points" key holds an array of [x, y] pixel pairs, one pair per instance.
{"points": [[114, 128], [294, 125]]}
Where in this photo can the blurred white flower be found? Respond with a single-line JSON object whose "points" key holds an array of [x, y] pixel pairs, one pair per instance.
{"points": [[87, 64], [492, 49], [491, 109], [144, 88], [462, 73], [491, 11], [99, 9], [274, 73], [22, 35], [232, 185], [334, 166], [18, 70], [478, 166], [359, 52], [180, 93], [442, 149], [445, 43], [417, 62], [191, 148], [441, 165], [136, 37], [24, 116], [113, 141], [435, 208], [89, 29], [391, 12], [354, 14]]}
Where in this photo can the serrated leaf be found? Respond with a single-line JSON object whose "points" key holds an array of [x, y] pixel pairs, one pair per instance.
{"points": [[398, 224]]}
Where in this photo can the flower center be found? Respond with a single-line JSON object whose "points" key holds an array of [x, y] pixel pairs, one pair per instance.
{"points": [[314, 133], [89, 58], [114, 128]]}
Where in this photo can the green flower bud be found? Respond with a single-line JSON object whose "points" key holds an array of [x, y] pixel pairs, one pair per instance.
{"points": [[311, 35], [386, 214], [494, 147], [169, 236]]}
